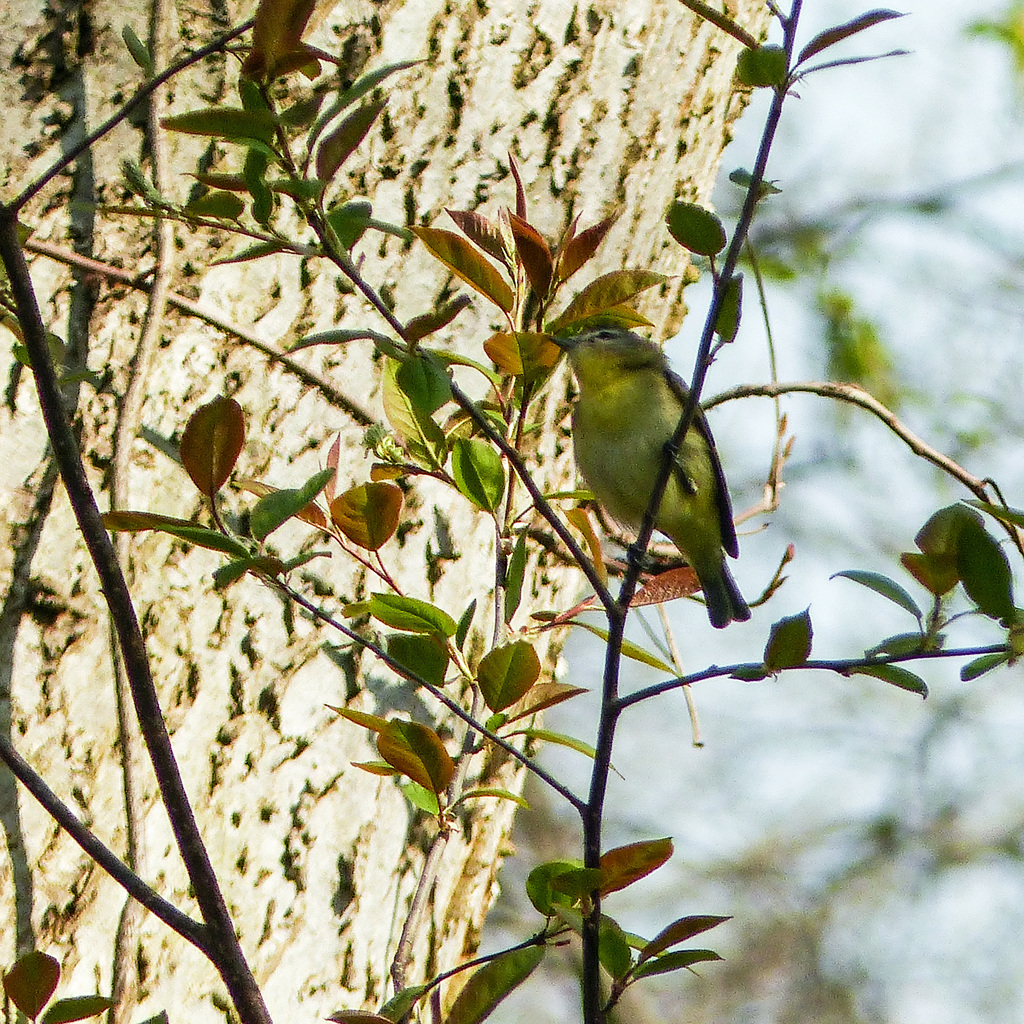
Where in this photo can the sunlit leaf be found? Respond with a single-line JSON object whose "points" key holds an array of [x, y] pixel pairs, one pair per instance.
{"points": [[417, 751], [540, 884], [580, 248], [404, 404], [420, 798], [624, 865], [534, 254], [411, 615], [132, 522], [629, 649], [368, 514], [506, 673], [484, 233], [478, 472], [558, 738], [492, 983], [542, 696], [481, 792], [463, 260], [607, 292], [522, 353], [789, 643], [276, 36], [580, 519], [211, 443], [277, 507]]}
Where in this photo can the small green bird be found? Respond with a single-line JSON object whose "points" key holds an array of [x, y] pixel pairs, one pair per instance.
{"points": [[629, 405]]}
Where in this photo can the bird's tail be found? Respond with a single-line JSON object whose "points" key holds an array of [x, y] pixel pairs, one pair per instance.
{"points": [[723, 598]]}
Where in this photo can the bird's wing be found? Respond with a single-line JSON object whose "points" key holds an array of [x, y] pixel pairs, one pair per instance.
{"points": [[722, 500]]}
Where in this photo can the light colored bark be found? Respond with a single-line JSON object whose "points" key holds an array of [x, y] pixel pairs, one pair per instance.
{"points": [[616, 107]]}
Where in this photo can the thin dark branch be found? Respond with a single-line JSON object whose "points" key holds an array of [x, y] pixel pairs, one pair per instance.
{"points": [[96, 850], [225, 951], [122, 112], [841, 666], [453, 706]]}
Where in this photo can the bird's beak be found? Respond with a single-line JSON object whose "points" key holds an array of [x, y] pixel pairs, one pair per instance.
{"points": [[564, 342]]}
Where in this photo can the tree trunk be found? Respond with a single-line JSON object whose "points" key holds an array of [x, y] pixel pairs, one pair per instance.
{"points": [[611, 109]]}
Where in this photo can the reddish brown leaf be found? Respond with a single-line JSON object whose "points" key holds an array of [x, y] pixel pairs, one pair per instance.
{"points": [[276, 35], [579, 249], [211, 443], [482, 232], [520, 191], [534, 253], [466, 262], [667, 586], [31, 981], [626, 864]]}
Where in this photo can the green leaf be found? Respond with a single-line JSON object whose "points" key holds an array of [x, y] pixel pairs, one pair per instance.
{"points": [[505, 674], [492, 791], [985, 572], [625, 865], [492, 983], [399, 1005], [411, 615], [629, 650], [341, 336], [138, 50], [539, 884], [742, 177], [368, 514], [467, 263], [936, 573], [125, 521], [789, 643], [613, 948], [1013, 516], [420, 327], [604, 294], [224, 205], [515, 573], [63, 1011], [417, 751], [250, 252], [254, 171], [680, 960], [894, 675], [695, 228], [211, 443], [731, 310], [465, 621], [278, 507], [420, 798], [577, 882], [559, 738], [478, 472], [979, 666], [423, 654], [230, 123], [404, 403], [31, 981], [762, 66], [339, 144], [889, 589], [902, 644]]}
